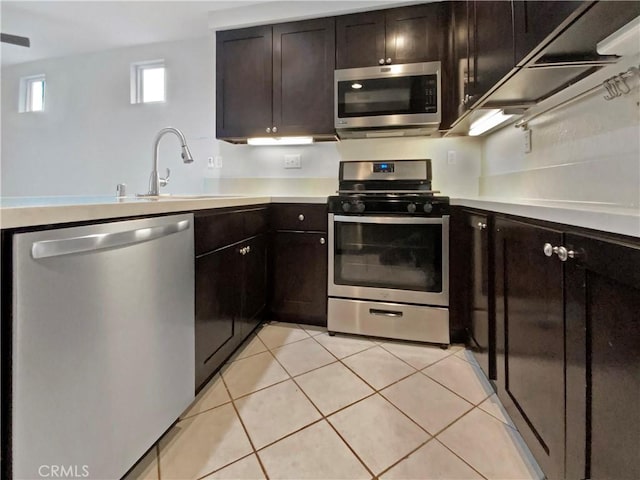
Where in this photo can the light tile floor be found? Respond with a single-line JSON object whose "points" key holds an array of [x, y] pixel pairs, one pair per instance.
{"points": [[295, 403]]}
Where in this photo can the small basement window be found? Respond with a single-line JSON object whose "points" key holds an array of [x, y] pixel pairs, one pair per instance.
{"points": [[32, 91], [148, 81]]}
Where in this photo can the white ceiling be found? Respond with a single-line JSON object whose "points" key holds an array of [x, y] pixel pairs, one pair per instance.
{"points": [[61, 28]]}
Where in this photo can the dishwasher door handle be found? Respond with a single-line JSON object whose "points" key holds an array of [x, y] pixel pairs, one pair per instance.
{"points": [[102, 241]]}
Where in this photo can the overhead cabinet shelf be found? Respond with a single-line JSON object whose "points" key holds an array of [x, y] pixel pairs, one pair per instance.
{"points": [[275, 81], [541, 49], [278, 80]]}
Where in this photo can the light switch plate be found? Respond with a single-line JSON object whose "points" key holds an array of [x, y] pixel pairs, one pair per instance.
{"points": [[451, 157], [292, 161]]}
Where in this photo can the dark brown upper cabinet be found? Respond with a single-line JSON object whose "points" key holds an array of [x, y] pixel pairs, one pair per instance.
{"points": [[399, 35], [534, 21], [244, 82], [275, 80]]}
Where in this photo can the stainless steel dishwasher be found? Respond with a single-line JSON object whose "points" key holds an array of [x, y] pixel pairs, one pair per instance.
{"points": [[103, 344]]}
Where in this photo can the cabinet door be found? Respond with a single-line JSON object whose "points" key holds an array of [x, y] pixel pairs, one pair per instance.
{"points": [[300, 277], [603, 359], [303, 65], [254, 291], [456, 66], [243, 82], [534, 20], [530, 338], [482, 328], [492, 45], [360, 40], [415, 34], [217, 306]]}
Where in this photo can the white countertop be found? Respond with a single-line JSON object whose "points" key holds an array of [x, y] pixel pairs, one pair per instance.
{"points": [[597, 216], [32, 211]]}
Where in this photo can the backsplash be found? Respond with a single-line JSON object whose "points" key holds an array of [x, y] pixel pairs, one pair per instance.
{"points": [[585, 152], [261, 169]]}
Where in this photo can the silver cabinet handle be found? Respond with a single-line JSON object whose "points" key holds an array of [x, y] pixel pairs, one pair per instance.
{"points": [[102, 241], [564, 254], [248, 248], [549, 249], [388, 61], [243, 251], [385, 313], [381, 61], [301, 217], [322, 241], [482, 226], [268, 129], [274, 129]]}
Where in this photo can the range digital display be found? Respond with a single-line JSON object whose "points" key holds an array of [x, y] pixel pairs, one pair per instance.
{"points": [[383, 167]]}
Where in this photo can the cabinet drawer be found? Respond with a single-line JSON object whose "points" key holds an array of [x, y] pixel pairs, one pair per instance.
{"points": [[214, 230], [299, 217]]}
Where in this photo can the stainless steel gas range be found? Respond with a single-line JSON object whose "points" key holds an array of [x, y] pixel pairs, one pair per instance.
{"points": [[389, 252]]}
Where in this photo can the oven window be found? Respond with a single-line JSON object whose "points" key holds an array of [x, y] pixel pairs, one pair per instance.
{"points": [[406, 257], [388, 96]]}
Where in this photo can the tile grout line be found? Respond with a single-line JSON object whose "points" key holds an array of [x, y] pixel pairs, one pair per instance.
{"points": [[422, 371], [323, 417], [246, 432], [459, 457], [375, 391]]}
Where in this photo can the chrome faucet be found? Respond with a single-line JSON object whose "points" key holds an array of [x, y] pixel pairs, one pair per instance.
{"points": [[155, 181]]}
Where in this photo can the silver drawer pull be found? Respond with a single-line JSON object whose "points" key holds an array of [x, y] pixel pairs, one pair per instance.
{"points": [[384, 313], [301, 217]]}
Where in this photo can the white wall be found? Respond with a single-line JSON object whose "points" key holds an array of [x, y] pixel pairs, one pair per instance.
{"points": [[587, 152], [90, 137]]}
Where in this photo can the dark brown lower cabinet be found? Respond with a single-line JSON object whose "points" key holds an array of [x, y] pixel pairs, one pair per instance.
{"points": [[480, 292], [218, 282], [299, 263], [254, 284], [603, 359], [568, 346], [230, 283], [300, 277], [530, 338]]}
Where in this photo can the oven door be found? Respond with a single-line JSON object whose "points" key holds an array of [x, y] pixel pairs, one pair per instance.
{"points": [[396, 259]]}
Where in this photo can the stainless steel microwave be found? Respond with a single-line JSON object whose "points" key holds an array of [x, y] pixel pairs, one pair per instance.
{"points": [[389, 100]]}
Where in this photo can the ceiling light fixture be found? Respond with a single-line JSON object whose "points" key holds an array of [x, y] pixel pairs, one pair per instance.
{"points": [[276, 141], [488, 121]]}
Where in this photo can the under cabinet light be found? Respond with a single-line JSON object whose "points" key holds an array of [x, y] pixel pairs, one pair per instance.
{"points": [[489, 120], [263, 141]]}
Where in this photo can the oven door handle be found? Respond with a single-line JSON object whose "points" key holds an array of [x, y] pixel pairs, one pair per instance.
{"points": [[384, 313], [390, 220]]}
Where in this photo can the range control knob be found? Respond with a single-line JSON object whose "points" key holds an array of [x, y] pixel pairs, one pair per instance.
{"points": [[411, 208], [359, 207], [428, 208], [346, 206]]}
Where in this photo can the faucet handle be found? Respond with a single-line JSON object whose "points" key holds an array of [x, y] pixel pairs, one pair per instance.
{"points": [[163, 181]]}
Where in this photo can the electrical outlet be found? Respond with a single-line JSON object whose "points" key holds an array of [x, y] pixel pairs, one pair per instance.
{"points": [[217, 161], [451, 157], [210, 163], [292, 161], [527, 141]]}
